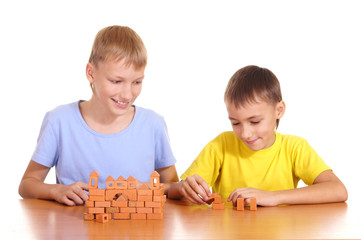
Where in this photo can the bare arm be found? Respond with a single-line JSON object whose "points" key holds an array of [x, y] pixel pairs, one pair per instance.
{"points": [[168, 176], [32, 186], [325, 189]]}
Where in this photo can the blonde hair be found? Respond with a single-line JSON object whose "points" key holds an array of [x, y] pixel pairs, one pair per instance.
{"points": [[118, 43]]}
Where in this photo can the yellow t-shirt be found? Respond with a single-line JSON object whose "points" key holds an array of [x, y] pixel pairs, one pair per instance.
{"points": [[226, 163]]}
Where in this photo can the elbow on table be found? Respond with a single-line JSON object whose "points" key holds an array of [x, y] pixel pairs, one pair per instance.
{"points": [[21, 191], [24, 190], [341, 193]]}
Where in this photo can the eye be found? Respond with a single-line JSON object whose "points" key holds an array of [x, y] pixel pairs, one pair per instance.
{"points": [[255, 122], [235, 124], [115, 82], [137, 82]]}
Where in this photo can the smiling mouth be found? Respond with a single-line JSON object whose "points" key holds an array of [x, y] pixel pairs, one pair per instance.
{"points": [[252, 142], [120, 103]]}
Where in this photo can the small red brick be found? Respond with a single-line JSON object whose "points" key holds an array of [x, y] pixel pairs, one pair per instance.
{"points": [[139, 216], [121, 215], [240, 204], [253, 205], [219, 206], [144, 210], [154, 216], [102, 204], [128, 210], [96, 210], [153, 204]]}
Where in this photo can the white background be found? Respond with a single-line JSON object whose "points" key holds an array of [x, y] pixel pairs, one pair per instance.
{"points": [[194, 47]]}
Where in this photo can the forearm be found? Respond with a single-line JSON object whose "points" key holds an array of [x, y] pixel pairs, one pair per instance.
{"points": [[325, 192], [174, 191], [167, 187], [32, 188], [168, 177]]}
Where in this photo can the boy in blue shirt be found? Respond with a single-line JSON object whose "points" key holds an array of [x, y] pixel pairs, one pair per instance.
{"points": [[106, 133]]}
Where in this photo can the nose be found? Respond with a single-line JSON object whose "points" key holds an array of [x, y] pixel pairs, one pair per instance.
{"points": [[246, 132], [126, 91]]}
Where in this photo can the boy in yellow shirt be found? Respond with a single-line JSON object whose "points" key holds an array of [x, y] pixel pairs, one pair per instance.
{"points": [[254, 160]]}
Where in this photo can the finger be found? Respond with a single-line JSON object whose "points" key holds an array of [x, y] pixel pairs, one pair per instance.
{"points": [[231, 196], [192, 200], [67, 201], [186, 194], [235, 194], [198, 189], [192, 189], [81, 193], [73, 196], [234, 199], [82, 185], [192, 195], [195, 200], [247, 201], [238, 193], [204, 185], [78, 189], [203, 194]]}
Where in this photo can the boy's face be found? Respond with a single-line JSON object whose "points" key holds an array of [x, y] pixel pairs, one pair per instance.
{"points": [[115, 85], [254, 123]]}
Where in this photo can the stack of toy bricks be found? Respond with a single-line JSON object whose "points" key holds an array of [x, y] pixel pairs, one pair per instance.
{"points": [[122, 200], [216, 201]]}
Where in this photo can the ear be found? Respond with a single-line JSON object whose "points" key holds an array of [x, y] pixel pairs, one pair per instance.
{"points": [[90, 72], [280, 109]]}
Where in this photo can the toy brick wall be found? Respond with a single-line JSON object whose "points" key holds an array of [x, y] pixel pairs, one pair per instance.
{"points": [[123, 200]]}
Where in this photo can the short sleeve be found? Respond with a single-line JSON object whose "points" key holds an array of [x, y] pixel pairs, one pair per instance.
{"points": [[207, 165], [46, 151], [164, 155], [307, 163]]}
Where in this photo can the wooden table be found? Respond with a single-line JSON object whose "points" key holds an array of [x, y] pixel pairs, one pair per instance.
{"points": [[41, 219]]}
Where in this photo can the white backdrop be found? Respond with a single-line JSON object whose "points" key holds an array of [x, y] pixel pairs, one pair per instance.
{"points": [[194, 47]]}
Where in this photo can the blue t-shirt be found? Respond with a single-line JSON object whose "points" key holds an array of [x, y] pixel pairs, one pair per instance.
{"points": [[68, 143]]}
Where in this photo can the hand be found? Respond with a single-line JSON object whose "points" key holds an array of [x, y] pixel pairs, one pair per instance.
{"points": [[264, 198], [195, 189], [70, 195]]}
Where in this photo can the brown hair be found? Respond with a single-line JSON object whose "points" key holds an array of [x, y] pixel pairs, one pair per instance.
{"points": [[252, 82], [117, 43]]}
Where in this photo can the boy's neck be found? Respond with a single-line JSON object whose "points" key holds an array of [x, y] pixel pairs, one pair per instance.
{"points": [[100, 121]]}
